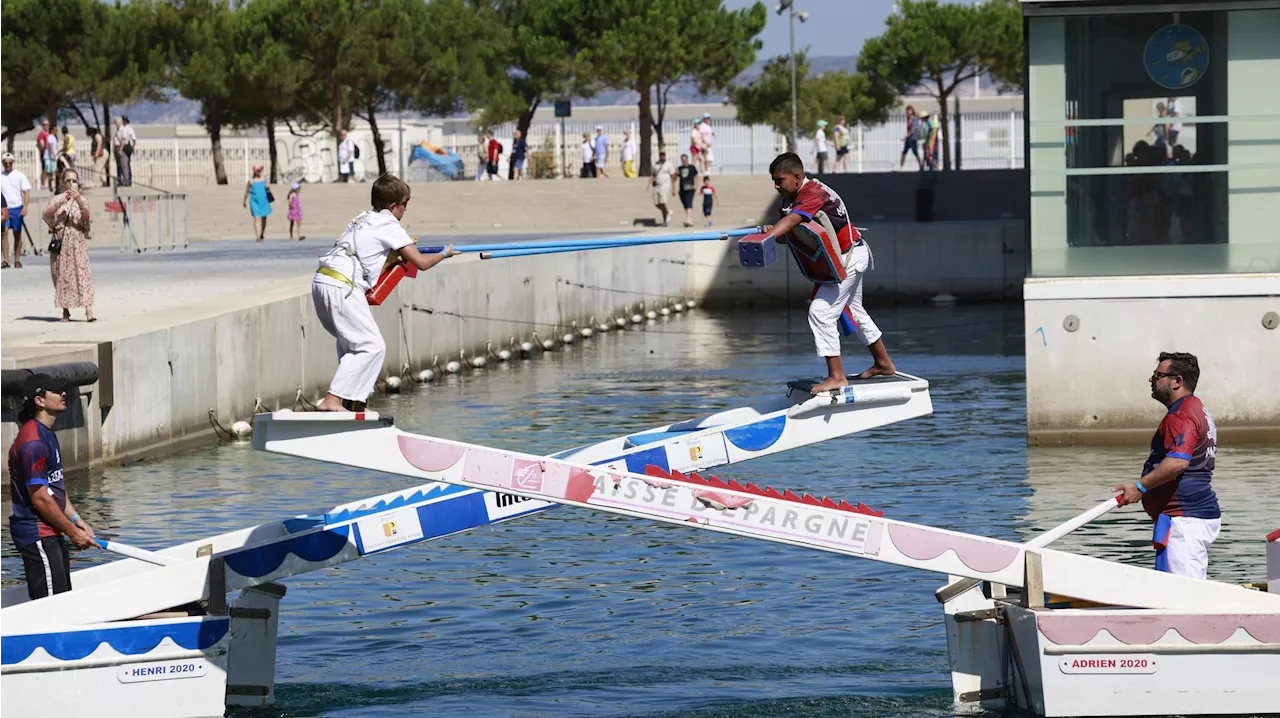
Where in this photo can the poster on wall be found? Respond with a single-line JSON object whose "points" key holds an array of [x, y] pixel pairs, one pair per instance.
{"points": [[1176, 56]]}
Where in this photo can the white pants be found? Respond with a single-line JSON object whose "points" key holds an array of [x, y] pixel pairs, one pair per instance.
{"points": [[1187, 550], [831, 299], [360, 347]]}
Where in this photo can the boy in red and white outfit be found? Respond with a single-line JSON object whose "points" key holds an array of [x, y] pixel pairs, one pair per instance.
{"points": [[803, 198]]}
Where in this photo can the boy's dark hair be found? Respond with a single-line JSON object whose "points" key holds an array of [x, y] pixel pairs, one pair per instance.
{"points": [[787, 163], [388, 190], [1184, 365]]}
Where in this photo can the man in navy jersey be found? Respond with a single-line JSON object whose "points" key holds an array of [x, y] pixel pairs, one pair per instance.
{"points": [[42, 513], [1174, 488]]}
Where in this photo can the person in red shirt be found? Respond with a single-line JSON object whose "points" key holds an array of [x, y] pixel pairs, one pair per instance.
{"points": [[494, 155], [43, 138], [803, 199]]}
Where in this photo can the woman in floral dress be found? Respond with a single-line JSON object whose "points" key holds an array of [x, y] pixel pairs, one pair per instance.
{"points": [[68, 217]]}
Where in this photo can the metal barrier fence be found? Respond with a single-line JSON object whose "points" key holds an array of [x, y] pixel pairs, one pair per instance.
{"points": [[988, 140], [145, 218]]}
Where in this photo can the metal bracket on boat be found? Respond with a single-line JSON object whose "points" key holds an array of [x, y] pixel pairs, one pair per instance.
{"points": [[217, 605], [986, 614], [986, 694]]}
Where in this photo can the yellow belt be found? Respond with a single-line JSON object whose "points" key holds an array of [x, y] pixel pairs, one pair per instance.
{"points": [[335, 274]]}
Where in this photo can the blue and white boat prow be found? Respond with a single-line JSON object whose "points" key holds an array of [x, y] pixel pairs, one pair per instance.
{"points": [[789, 422]]}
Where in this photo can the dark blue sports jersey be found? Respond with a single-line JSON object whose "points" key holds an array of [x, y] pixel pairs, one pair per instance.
{"points": [[35, 464], [1187, 432]]}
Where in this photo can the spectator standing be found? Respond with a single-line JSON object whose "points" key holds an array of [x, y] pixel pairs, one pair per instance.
{"points": [[43, 138], [1175, 124], [49, 161], [629, 150], [128, 141], [840, 134], [493, 156], [519, 155], [295, 210], [602, 152], [911, 141], [695, 141], [928, 129], [708, 137], [708, 198], [820, 146], [69, 145], [16, 189], [588, 157], [482, 158], [98, 149], [70, 223], [688, 185], [346, 157], [258, 199], [660, 180]]}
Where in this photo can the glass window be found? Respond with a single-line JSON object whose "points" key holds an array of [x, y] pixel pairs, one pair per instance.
{"points": [[1164, 156]]}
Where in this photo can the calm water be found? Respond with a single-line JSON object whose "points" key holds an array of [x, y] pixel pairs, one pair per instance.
{"points": [[575, 612]]}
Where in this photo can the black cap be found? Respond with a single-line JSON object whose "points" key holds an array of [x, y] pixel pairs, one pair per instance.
{"points": [[37, 384]]}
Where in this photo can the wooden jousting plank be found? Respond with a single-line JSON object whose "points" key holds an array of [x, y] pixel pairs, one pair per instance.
{"points": [[749, 511]]}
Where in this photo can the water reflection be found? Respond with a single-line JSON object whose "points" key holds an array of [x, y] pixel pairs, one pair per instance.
{"points": [[583, 613]]}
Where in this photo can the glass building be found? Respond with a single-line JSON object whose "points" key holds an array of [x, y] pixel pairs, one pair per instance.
{"points": [[1153, 137]]}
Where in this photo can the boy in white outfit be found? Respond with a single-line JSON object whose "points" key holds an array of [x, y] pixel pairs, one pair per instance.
{"points": [[373, 242], [803, 199]]}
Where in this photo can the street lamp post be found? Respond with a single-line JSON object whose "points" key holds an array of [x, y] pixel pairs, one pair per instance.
{"points": [[789, 7]]}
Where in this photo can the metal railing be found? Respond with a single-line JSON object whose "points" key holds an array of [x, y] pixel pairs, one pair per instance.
{"points": [[145, 218]]}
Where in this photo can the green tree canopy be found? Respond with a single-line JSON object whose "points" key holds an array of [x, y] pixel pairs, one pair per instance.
{"points": [[201, 37], [652, 45], [939, 47], [768, 98], [41, 50]]}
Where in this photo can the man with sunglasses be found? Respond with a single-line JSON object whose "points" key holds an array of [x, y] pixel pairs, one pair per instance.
{"points": [[42, 512], [1174, 488]]}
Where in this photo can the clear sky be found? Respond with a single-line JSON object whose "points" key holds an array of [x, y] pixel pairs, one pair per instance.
{"points": [[835, 27]]}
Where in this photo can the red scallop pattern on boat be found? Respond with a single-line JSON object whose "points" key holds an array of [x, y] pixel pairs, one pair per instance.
{"points": [[978, 554], [1137, 630], [430, 455], [767, 492]]}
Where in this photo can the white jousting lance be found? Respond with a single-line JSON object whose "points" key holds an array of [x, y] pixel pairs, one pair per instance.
{"points": [[134, 552], [596, 242], [951, 590]]}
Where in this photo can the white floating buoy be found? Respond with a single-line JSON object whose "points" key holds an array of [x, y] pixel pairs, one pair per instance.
{"points": [[678, 307], [393, 385], [944, 299], [605, 325], [453, 367], [586, 331], [505, 354], [546, 344], [479, 362], [690, 303], [665, 312], [426, 375], [620, 321], [636, 319], [650, 314], [241, 429]]}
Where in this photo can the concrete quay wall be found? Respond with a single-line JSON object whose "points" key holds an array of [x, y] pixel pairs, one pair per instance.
{"points": [[1091, 344], [259, 357]]}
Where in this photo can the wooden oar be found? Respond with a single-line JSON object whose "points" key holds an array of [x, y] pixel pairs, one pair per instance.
{"points": [[951, 590]]}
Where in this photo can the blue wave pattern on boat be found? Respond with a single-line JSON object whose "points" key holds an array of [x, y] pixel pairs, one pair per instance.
{"points": [[452, 515], [262, 560], [432, 491], [72, 645], [758, 436]]}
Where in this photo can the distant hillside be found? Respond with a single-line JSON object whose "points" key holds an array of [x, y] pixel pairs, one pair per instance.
{"points": [[183, 111]]}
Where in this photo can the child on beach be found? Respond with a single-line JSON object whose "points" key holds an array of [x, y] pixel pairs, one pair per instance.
{"points": [[708, 199], [373, 242], [804, 199], [295, 210]]}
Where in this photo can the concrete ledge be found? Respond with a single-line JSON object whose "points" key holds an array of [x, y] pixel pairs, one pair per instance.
{"points": [[1161, 287]]}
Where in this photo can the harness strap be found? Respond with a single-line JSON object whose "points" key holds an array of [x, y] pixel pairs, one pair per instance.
{"points": [[335, 274]]}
